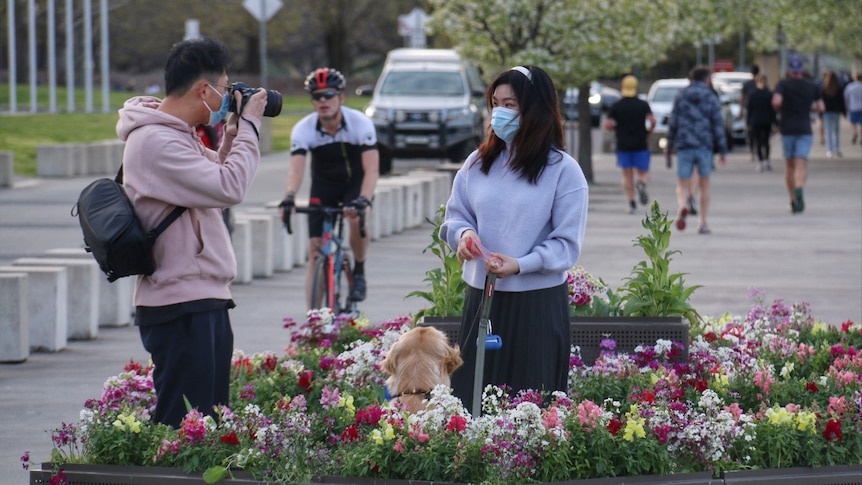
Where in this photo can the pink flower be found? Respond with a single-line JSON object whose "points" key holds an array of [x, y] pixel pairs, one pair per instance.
{"points": [[551, 419], [837, 405], [589, 414]]}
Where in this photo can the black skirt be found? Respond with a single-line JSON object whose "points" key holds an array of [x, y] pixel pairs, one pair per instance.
{"points": [[536, 333]]}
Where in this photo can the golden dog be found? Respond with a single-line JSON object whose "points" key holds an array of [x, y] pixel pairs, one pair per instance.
{"points": [[420, 360]]}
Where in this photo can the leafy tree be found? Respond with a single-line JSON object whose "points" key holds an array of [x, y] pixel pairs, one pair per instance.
{"points": [[576, 41]]}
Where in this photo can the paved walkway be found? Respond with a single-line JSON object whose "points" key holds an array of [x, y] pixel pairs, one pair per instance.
{"points": [[814, 257]]}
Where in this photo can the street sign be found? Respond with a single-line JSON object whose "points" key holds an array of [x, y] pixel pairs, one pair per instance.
{"points": [[412, 25], [262, 10]]}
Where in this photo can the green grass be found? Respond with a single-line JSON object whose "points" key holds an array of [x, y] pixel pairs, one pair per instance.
{"points": [[22, 132]]}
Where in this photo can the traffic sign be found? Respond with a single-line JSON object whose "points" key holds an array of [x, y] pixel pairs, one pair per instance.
{"points": [[262, 10]]}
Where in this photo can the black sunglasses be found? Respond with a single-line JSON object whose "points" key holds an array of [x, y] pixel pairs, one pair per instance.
{"points": [[324, 95]]}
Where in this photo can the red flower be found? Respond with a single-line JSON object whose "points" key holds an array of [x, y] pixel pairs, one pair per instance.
{"points": [[614, 426], [59, 478], [811, 387], [710, 337], [845, 326], [833, 430], [305, 381], [457, 424], [230, 439], [369, 416], [349, 434]]}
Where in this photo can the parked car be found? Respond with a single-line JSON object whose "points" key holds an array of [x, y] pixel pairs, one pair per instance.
{"points": [[729, 87], [427, 103], [660, 98], [601, 99]]}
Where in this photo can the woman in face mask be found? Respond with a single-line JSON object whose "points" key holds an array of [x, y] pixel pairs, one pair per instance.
{"points": [[518, 210]]}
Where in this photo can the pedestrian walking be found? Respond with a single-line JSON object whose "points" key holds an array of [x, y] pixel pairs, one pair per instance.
{"points": [[696, 131], [834, 108], [795, 99], [761, 120], [853, 103], [628, 118]]}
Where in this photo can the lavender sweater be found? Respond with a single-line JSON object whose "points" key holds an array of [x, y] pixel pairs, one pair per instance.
{"points": [[540, 225]]}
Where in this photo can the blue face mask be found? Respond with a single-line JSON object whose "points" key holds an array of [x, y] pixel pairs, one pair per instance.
{"points": [[217, 117], [505, 123]]}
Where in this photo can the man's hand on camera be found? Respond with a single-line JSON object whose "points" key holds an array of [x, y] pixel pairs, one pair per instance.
{"points": [[286, 207]]}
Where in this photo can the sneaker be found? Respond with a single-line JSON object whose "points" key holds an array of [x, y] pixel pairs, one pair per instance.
{"points": [[642, 193], [692, 205], [761, 167], [632, 207], [800, 202], [703, 230], [357, 292], [768, 166], [680, 220], [828, 154]]}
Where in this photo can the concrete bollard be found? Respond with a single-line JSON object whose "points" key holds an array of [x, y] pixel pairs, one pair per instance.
{"points": [[83, 293], [7, 168], [55, 160], [241, 240], [261, 243], [282, 245], [98, 158], [398, 204], [115, 299], [47, 296], [384, 220], [15, 345]]}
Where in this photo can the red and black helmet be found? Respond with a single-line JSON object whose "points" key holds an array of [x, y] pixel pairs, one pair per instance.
{"points": [[323, 78]]}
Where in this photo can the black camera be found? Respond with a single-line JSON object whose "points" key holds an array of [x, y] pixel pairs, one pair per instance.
{"points": [[273, 99]]}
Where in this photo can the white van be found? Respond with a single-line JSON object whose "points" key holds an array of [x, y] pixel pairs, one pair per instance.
{"points": [[427, 103]]}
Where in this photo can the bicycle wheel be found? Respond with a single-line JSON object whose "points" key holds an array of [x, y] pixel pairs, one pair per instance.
{"points": [[320, 284], [343, 285]]}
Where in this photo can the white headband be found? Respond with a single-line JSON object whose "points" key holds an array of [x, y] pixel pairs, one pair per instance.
{"points": [[523, 70]]}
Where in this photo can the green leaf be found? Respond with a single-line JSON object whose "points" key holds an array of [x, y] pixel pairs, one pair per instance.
{"points": [[215, 474]]}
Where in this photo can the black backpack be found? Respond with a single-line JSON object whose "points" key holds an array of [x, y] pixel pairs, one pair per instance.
{"points": [[113, 232]]}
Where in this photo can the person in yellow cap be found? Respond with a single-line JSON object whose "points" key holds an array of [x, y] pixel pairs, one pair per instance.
{"points": [[628, 117]]}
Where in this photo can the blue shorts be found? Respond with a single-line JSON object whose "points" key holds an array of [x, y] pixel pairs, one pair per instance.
{"points": [[687, 158], [856, 117], [638, 160], [797, 146]]}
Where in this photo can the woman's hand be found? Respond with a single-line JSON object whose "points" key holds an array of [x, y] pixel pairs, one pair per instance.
{"points": [[468, 250], [501, 265]]}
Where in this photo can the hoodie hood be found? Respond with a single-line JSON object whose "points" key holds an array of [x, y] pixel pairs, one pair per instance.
{"points": [[143, 110]]}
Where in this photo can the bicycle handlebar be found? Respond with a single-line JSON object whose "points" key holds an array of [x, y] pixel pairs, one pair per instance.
{"points": [[329, 212]]}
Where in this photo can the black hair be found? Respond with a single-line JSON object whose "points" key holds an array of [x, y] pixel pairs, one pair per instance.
{"points": [[699, 73], [541, 126], [755, 69], [192, 60]]}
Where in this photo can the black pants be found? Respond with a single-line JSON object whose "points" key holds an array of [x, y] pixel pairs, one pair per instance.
{"points": [[192, 357], [760, 136]]}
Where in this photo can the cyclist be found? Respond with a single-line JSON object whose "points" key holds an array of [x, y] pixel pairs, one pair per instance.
{"points": [[345, 162]]}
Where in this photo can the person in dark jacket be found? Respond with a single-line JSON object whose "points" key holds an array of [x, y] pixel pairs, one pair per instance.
{"points": [[761, 120], [696, 131]]}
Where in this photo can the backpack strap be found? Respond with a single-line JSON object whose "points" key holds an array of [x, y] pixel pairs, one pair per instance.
{"points": [[167, 221]]}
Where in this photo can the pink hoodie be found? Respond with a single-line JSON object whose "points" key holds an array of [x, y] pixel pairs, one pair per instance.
{"points": [[165, 165]]}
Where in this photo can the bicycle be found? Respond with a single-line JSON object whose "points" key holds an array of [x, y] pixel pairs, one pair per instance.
{"points": [[333, 275]]}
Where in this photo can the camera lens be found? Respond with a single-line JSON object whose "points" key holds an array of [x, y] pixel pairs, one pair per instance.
{"points": [[273, 103], [273, 99]]}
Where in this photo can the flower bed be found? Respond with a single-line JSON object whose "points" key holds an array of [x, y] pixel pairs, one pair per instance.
{"points": [[771, 389]]}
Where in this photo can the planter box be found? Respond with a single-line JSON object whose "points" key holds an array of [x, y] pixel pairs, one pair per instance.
{"points": [[121, 475], [77, 474], [827, 475], [588, 332]]}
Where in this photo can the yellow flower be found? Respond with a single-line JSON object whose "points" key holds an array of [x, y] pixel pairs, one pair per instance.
{"points": [[819, 327], [346, 401], [806, 421], [720, 382], [118, 424], [634, 429], [377, 437], [388, 432], [779, 415], [787, 369]]}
